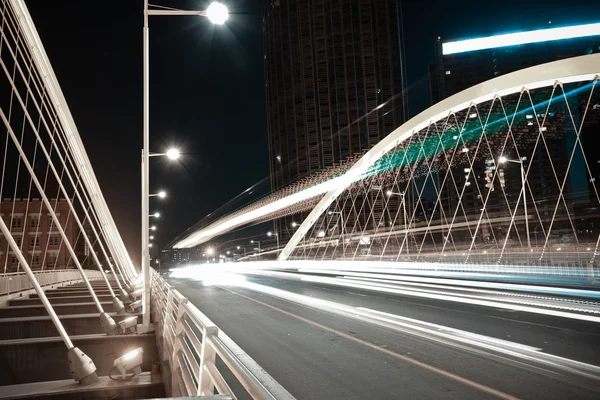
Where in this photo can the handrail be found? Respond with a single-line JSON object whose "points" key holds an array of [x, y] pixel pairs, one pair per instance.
{"points": [[16, 282], [190, 343]]}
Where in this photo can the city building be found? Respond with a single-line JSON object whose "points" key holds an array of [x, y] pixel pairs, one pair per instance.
{"points": [[461, 64], [334, 76], [34, 231]]}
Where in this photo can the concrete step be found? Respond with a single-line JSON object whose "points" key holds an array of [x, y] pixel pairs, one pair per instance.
{"points": [[42, 326], [81, 289], [144, 386], [52, 293], [58, 300], [35, 359], [60, 309]]}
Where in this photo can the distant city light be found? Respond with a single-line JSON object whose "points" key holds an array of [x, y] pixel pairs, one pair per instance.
{"points": [[513, 39]]}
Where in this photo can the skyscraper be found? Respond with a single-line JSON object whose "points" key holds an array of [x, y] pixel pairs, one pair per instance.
{"points": [[334, 76], [334, 81]]}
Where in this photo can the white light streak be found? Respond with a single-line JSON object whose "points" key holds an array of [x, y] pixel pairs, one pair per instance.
{"points": [[517, 38]]}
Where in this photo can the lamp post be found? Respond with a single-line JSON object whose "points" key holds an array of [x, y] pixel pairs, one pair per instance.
{"points": [[390, 193], [256, 241], [217, 13], [503, 160], [269, 234], [209, 252]]}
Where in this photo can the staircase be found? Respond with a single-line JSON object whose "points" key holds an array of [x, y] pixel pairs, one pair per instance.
{"points": [[34, 357]]}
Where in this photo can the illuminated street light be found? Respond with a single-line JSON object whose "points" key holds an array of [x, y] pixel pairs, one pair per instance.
{"points": [[162, 194], [150, 245], [294, 224], [217, 13], [155, 215], [238, 247], [151, 237], [210, 250], [153, 228], [503, 160], [173, 154]]}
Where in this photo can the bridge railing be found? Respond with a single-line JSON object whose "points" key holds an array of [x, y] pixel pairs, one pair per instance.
{"points": [[200, 356], [18, 281]]}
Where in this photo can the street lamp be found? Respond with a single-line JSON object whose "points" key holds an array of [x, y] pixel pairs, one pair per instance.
{"points": [[503, 160], [162, 194], [153, 228], [269, 234], [256, 241], [217, 13], [155, 215]]}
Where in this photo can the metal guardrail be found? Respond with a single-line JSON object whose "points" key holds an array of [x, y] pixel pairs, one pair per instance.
{"points": [[192, 343], [18, 281]]}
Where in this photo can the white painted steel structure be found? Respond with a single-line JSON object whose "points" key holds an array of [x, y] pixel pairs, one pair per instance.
{"points": [[578, 69], [191, 343], [80, 160], [517, 104]]}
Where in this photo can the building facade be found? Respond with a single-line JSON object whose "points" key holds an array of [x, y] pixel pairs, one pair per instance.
{"points": [[33, 229], [334, 76]]}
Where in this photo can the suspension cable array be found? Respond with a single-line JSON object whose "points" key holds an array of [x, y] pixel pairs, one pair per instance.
{"points": [[53, 212]]}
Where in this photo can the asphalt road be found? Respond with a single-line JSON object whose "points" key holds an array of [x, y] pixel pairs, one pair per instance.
{"points": [[319, 354]]}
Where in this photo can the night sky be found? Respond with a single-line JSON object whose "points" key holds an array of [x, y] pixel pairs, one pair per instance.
{"points": [[207, 90]]}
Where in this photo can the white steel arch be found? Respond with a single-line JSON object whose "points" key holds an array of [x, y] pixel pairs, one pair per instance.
{"points": [[584, 68]]}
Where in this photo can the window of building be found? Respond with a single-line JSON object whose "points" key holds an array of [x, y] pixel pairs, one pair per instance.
{"points": [[13, 260], [18, 240], [34, 222], [35, 260], [51, 261], [53, 241], [34, 241], [17, 222]]}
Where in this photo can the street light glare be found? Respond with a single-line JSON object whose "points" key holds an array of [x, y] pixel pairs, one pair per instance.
{"points": [[156, 215], [162, 194], [269, 234], [388, 193], [210, 250], [502, 159], [153, 228], [173, 154], [217, 13]]}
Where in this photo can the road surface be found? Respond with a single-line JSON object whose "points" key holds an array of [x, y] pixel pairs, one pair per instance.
{"points": [[326, 339]]}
